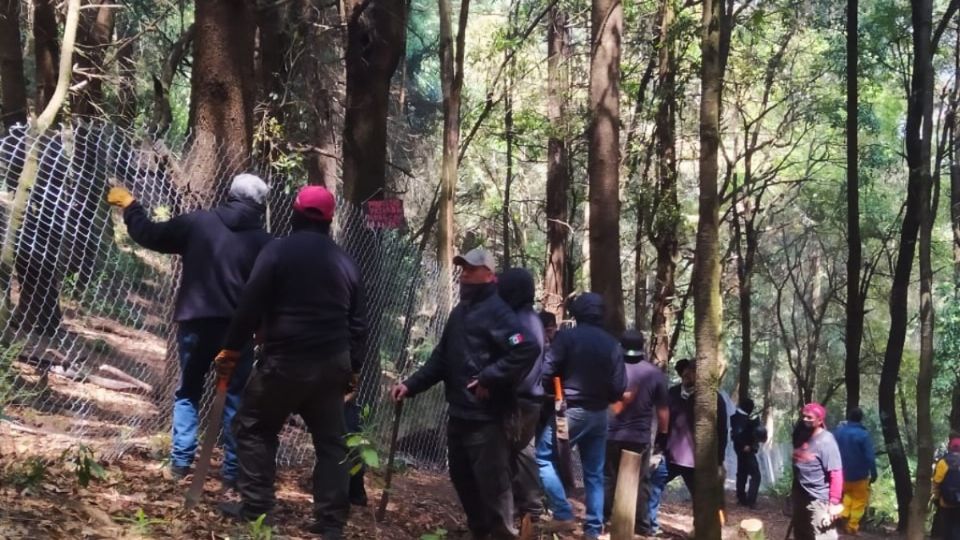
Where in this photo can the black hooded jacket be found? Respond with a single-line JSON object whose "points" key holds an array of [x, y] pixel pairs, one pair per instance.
{"points": [[588, 360], [306, 296], [517, 290], [482, 340], [218, 248]]}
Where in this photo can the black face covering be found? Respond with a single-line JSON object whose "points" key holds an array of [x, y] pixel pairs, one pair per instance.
{"points": [[470, 292]]}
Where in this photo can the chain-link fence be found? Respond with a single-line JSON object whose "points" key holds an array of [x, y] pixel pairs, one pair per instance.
{"points": [[87, 340]]}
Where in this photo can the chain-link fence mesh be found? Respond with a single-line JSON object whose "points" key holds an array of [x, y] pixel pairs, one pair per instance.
{"points": [[88, 348]]}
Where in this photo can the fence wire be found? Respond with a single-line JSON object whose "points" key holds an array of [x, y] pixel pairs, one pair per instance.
{"points": [[88, 347]]}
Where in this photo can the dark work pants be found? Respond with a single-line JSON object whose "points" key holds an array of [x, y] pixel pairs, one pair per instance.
{"points": [[479, 456], [811, 518], [314, 389], [611, 472], [946, 524], [748, 478], [521, 427]]}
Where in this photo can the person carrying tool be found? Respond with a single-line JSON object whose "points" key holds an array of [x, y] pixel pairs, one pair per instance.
{"points": [[589, 362], [482, 356], [817, 477], [644, 405], [306, 301], [218, 248]]}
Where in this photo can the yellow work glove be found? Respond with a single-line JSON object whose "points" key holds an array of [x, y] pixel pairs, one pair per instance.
{"points": [[225, 362], [120, 196]]}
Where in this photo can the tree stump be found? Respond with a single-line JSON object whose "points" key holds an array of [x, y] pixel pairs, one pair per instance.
{"points": [[625, 499], [752, 529]]}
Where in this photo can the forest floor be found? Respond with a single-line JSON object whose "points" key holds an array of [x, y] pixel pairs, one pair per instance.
{"points": [[40, 498]]}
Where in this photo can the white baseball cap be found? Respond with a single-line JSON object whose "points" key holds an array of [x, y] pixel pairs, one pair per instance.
{"points": [[476, 257]]}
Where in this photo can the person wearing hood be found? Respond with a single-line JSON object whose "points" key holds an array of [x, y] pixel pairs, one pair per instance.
{"points": [[517, 289], [589, 362], [483, 355], [744, 428], [817, 477], [645, 405], [306, 301], [217, 248]]}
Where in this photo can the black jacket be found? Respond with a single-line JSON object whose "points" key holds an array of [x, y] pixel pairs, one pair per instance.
{"points": [[679, 406], [218, 249], [743, 432], [588, 360], [482, 340], [306, 297], [517, 289]]}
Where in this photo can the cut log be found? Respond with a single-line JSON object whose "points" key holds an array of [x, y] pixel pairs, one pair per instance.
{"points": [[625, 499], [124, 376], [752, 529]]}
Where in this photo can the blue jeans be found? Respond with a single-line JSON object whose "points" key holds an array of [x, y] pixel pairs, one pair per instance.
{"points": [[658, 481], [588, 432], [549, 478], [198, 342]]}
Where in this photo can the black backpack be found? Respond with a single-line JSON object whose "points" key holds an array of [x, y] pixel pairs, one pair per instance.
{"points": [[950, 487]]}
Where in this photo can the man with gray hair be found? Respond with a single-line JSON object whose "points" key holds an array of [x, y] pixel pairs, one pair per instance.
{"points": [[217, 248]]}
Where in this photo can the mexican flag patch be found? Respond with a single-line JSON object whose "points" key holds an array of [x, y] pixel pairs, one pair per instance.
{"points": [[515, 339]]}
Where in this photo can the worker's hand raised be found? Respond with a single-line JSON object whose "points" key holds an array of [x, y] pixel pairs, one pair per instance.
{"points": [[120, 196], [225, 362], [399, 392]]}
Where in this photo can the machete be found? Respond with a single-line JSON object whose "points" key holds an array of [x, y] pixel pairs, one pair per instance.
{"points": [[564, 460], [214, 419]]}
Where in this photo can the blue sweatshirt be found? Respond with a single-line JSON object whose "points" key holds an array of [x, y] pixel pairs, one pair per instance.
{"points": [[856, 452]]}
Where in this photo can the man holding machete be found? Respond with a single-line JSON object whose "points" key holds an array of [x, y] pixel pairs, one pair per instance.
{"points": [[306, 301], [482, 356], [218, 248]]}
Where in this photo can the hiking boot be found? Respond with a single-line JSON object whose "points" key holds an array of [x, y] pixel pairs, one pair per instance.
{"points": [[325, 531], [559, 526], [179, 472], [236, 511]]}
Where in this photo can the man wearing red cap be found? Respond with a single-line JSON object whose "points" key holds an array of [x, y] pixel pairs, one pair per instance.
{"points": [[306, 301], [817, 477], [946, 491]]}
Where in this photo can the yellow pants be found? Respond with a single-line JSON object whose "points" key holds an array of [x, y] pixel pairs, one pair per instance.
{"points": [[855, 498]]}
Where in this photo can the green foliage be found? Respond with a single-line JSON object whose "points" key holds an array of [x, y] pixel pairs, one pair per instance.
{"points": [[141, 523], [28, 476], [84, 464], [361, 446], [258, 530], [8, 376], [438, 534]]}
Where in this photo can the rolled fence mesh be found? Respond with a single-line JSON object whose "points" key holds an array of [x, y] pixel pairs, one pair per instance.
{"points": [[87, 342]]}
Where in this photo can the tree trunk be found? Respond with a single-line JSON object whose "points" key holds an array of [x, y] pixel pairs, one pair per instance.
{"points": [[46, 50], [127, 66], [667, 218], [955, 408], [508, 135], [745, 264], [706, 281], [855, 304], [451, 82], [222, 92], [93, 36], [13, 109], [558, 177], [603, 166], [323, 76], [162, 115], [918, 158], [376, 32], [273, 44]]}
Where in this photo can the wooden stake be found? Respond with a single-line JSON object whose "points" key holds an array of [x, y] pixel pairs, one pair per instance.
{"points": [[625, 500]]}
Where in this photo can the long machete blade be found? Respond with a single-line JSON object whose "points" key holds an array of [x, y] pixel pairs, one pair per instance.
{"points": [[214, 420]]}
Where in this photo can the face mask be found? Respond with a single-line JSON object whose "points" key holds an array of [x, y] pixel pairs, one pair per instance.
{"points": [[801, 434], [469, 290]]}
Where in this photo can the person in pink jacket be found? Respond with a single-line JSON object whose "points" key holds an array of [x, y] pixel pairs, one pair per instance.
{"points": [[817, 477]]}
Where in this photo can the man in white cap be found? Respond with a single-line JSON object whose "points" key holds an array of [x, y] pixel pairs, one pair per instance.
{"points": [[218, 248], [482, 356]]}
